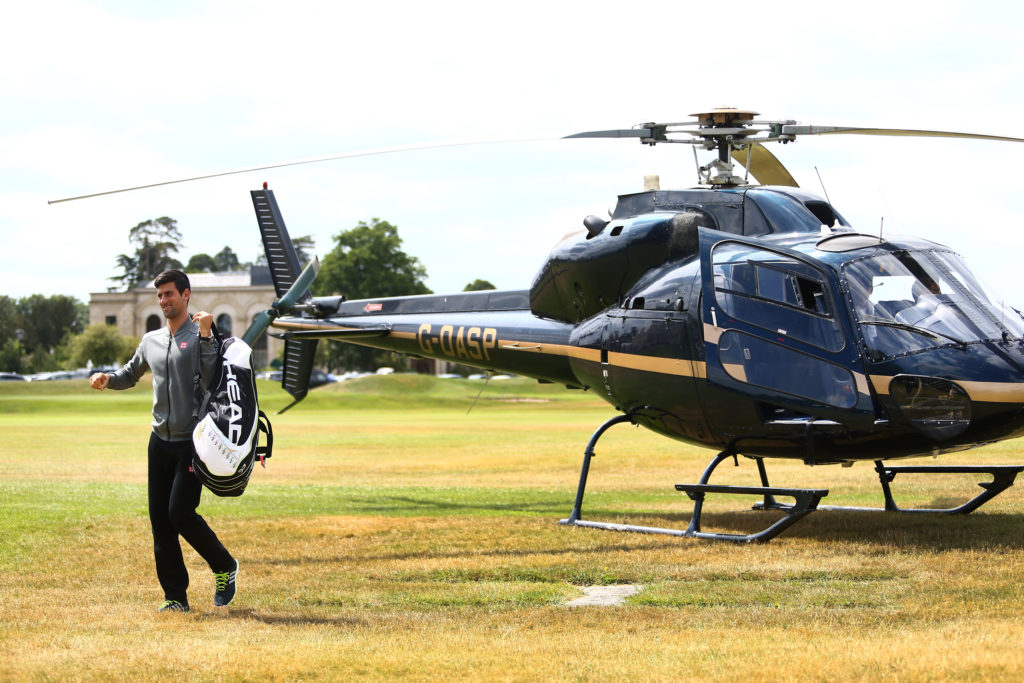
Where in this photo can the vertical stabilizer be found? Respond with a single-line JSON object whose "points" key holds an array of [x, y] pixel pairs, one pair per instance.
{"points": [[281, 257], [298, 365]]}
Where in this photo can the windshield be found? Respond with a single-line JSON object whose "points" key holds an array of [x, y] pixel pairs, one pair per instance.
{"points": [[911, 301]]}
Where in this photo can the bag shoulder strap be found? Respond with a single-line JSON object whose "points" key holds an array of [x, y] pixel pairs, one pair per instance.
{"points": [[263, 425], [197, 391]]}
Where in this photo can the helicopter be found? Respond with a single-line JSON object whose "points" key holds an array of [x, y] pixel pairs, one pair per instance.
{"points": [[751, 319]]}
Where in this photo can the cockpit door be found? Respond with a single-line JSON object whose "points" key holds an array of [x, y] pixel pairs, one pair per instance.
{"points": [[775, 330]]}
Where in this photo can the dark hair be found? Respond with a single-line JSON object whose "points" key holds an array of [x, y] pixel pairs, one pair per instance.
{"points": [[179, 279]]}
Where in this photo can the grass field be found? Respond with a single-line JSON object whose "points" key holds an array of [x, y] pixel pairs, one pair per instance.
{"points": [[394, 536]]}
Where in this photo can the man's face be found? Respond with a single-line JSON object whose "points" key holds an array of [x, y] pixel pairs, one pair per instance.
{"points": [[172, 303]]}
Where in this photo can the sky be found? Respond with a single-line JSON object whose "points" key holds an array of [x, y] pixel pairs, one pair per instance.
{"points": [[102, 95]]}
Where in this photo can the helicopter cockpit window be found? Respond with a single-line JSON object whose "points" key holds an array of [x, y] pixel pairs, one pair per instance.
{"points": [[754, 222], [824, 213], [775, 292], [912, 301]]}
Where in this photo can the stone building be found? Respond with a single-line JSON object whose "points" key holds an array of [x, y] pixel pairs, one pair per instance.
{"points": [[233, 299]]}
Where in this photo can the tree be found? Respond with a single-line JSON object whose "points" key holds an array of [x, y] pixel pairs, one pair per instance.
{"points": [[201, 263], [8, 319], [155, 240], [225, 261], [103, 345], [367, 261], [11, 356], [45, 322], [34, 330], [478, 285]]}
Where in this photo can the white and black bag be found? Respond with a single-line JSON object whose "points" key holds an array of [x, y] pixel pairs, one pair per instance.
{"points": [[229, 422]]}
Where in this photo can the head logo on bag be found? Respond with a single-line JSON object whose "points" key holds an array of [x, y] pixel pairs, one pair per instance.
{"points": [[226, 436]]}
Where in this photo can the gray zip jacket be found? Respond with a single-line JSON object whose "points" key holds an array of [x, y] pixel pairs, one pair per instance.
{"points": [[172, 360]]}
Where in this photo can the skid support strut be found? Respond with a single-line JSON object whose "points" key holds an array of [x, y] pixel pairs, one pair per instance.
{"points": [[577, 508], [805, 500], [1003, 477]]}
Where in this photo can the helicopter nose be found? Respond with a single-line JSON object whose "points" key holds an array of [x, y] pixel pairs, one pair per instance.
{"points": [[939, 408]]}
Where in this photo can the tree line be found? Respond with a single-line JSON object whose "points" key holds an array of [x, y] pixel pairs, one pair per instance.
{"points": [[42, 334], [35, 331], [157, 240]]}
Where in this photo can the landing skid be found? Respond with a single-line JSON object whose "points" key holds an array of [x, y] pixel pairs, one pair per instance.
{"points": [[1003, 477], [805, 501]]}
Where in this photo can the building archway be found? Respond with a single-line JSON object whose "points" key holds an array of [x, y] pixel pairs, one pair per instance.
{"points": [[224, 324], [153, 323]]}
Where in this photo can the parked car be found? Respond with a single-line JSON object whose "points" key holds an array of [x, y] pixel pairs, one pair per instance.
{"points": [[12, 377], [49, 376], [319, 378]]}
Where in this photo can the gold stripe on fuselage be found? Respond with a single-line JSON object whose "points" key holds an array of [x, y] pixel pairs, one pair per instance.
{"points": [[984, 392], [659, 364], [987, 392], [665, 366]]}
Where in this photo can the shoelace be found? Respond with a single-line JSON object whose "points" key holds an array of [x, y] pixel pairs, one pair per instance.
{"points": [[222, 579], [172, 604]]}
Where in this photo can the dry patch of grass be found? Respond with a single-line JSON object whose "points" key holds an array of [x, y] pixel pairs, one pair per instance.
{"points": [[324, 597], [422, 544]]}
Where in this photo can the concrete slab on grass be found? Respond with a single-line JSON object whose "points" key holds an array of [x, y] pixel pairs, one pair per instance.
{"points": [[604, 596]]}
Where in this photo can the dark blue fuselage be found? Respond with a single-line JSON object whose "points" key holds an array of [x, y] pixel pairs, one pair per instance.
{"points": [[748, 318]]}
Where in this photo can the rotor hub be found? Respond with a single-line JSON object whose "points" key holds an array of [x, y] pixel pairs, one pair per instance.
{"points": [[724, 116]]}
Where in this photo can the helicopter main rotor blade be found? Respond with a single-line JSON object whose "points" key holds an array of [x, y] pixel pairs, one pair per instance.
{"points": [[619, 133], [765, 166], [298, 162], [850, 130]]}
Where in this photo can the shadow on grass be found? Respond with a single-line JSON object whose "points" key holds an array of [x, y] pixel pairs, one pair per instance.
{"points": [[932, 531], [429, 553], [439, 504], [295, 619]]}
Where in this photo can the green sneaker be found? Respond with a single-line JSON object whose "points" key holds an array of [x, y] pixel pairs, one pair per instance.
{"points": [[173, 606], [226, 584]]}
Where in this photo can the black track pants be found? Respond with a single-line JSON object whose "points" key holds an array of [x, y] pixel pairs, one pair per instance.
{"points": [[173, 498]]}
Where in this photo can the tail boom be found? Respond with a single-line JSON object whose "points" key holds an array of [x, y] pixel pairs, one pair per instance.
{"points": [[511, 340]]}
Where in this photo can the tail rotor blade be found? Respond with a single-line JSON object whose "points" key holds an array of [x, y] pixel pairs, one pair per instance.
{"points": [[260, 322], [263, 320], [301, 286]]}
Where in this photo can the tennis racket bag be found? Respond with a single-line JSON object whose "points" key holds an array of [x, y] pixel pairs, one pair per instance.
{"points": [[227, 433]]}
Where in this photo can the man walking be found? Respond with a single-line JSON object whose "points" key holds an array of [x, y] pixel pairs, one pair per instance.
{"points": [[171, 354]]}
